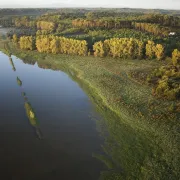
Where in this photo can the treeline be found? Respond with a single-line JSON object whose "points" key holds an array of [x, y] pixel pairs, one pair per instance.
{"points": [[24, 11], [50, 17], [122, 48], [165, 20], [101, 23], [162, 19], [21, 32], [18, 22], [155, 29], [6, 22], [123, 33], [100, 14], [45, 25], [43, 32], [25, 21], [129, 48], [58, 16], [53, 44], [116, 47], [64, 14], [93, 36]]}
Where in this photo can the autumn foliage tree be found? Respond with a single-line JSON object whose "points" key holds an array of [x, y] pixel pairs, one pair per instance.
{"points": [[155, 29], [25, 22], [27, 42], [159, 51], [101, 23], [150, 46], [99, 50], [15, 38], [45, 25], [176, 57], [128, 48], [43, 43], [120, 47], [154, 50], [162, 19], [55, 44]]}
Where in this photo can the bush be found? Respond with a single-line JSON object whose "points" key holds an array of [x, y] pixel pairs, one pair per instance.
{"points": [[166, 81]]}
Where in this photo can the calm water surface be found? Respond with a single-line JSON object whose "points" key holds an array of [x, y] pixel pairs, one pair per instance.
{"points": [[61, 145]]}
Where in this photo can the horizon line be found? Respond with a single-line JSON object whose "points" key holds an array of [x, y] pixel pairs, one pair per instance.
{"points": [[96, 7]]}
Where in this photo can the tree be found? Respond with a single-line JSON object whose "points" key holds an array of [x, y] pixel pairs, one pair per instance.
{"points": [[15, 38], [27, 43], [45, 25], [159, 51], [176, 57], [155, 29], [98, 48], [55, 44], [120, 47], [150, 47]]}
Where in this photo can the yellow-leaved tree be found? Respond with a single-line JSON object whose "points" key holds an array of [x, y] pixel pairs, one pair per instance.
{"points": [[27, 42], [15, 38], [150, 49], [176, 57], [159, 51]]}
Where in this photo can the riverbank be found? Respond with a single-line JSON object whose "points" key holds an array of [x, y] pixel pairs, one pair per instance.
{"points": [[110, 82]]}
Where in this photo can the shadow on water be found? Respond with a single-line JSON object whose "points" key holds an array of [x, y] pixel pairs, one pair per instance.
{"points": [[28, 107]]}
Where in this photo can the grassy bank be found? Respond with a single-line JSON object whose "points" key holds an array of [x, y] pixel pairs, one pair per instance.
{"points": [[120, 86]]}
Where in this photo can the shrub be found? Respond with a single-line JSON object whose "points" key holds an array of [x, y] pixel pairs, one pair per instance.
{"points": [[166, 81]]}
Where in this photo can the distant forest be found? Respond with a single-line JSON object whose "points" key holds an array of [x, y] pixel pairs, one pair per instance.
{"points": [[33, 11]]}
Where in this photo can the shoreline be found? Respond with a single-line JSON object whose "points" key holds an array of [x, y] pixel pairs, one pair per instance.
{"points": [[60, 61]]}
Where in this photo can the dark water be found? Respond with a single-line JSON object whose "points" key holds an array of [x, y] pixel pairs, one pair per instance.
{"points": [[61, 144], [50, 130]]}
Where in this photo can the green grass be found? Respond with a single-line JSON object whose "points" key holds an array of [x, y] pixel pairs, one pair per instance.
{"points": [[142, 128]]}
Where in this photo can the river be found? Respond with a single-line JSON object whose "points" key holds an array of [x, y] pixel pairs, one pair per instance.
{"points": [[60, 144], [52, 127]]}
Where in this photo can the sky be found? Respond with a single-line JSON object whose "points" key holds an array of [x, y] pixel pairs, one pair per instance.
{"points": [[150, 4]]}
